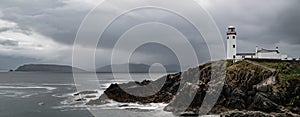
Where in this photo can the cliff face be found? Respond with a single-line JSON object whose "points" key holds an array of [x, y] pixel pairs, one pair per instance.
{"points": [[239, 90], [248, 86]]}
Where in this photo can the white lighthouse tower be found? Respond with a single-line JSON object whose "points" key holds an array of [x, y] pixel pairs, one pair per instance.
{"points": [[231, 43]]}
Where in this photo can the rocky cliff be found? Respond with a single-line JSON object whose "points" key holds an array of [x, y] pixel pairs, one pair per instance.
{"points": [[250, 88]]}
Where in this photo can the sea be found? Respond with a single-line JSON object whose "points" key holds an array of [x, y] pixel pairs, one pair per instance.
{"points": [[38, 94]]}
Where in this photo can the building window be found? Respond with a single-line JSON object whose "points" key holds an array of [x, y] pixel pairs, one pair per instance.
{"points": [[234, 56], [227, 37], [233, 46], [233, 37]]}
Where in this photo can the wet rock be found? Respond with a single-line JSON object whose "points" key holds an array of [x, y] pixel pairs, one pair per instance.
{"points": [[85, 93], [252, 114], [103, 99], [124, 105], [262, 103], [90, 96], [236, 99], [166, 87], [80, 99]]}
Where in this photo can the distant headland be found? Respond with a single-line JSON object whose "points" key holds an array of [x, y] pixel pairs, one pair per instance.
{"points": [[137, 68], [118, 68], [48, 68]]}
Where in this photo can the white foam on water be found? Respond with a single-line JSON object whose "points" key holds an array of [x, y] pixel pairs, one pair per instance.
{"points": [[78, 106], [63, 95], [10, 93], [114, 106], [115, 79], [70, 99], [16, 84], [29, 95], [106, 85], [48, 84], [71, 105], [27, 87], [97, 95], [118, 105]]}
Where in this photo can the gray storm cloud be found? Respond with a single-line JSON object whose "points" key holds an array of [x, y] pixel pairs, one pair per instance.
{"points": [[260, 22], [9, 43]]}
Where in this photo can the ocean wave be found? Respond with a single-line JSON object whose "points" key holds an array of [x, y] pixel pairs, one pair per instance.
{"points": [[118, 105], [62, 95], [29, 95], [78, 99], [8, 93], [17, 94], [112, 106], [48, 84], [27, 87], [105, 85]]}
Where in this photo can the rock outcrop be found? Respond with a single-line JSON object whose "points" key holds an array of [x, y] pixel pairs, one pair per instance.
{"points": [[185, 92], [163, 89]]}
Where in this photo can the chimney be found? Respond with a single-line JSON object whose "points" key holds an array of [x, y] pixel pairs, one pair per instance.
{"points": [[277, 49], [256, 49]]}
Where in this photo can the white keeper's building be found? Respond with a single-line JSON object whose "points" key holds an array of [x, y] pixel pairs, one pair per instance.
{"points": [[258, 54]]}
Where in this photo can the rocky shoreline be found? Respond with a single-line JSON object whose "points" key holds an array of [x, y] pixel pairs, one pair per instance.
{"points": [[241, 95]]}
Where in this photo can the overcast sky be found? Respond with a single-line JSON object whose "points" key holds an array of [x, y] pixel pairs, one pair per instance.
{"points": [[43, 31]]}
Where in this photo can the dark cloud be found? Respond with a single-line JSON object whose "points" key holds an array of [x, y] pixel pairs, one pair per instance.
{"points": [[127, 21], [259, 22], [161, 54], [286, 26], [256, 20], [4, 29], [9, 43], [263, 23], [48, 17]]}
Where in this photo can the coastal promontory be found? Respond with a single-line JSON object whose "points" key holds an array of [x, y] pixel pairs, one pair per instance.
{"points": [[251, 88], [48, 68]]}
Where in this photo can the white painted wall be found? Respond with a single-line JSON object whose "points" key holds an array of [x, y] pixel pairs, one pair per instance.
{"points": [[231, 51], [269, 55], [245, 56]]}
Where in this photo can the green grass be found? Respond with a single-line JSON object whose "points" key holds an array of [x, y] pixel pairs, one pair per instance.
{"points": [[288, 86], [289, 76], [292, 102], [293, 73], [286, 69]]}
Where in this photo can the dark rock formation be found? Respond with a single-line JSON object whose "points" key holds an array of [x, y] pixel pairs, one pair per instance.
{"points": [[85, 93], [255, 114], [163, 89], [239, 92]]}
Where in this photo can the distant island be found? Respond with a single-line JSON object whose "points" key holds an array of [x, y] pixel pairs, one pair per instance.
{"points": [[48, 68], [137, 68], [118, 68]]}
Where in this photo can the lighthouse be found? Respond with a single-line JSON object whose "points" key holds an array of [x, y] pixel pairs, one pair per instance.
{"points": [[266, 54], [231, 43]]}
